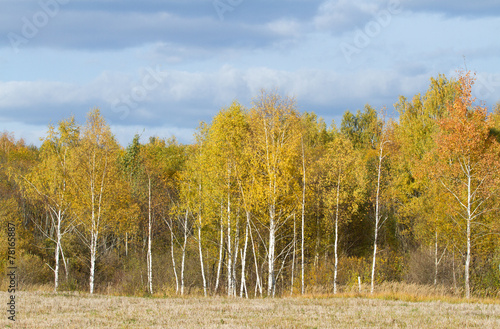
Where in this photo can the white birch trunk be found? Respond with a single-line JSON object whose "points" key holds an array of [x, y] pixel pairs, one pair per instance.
{"points": [[272, 241], [149, 255], [258, 283], [93, 252], [182, 265], [66, 272], [243, 260], [235, 259], [374, 261], [243, 286], [336, 237], [93, 241], [302, 285], [221, 246], [96, 218], [173, 258], [202, 267], [229, 250], [200, 249], [377, 216], [56, 267], [183, 262], [58, 250], [469, 219]]}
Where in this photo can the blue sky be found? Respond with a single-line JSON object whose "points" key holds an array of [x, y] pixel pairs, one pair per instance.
{"points": [[160, 67]]}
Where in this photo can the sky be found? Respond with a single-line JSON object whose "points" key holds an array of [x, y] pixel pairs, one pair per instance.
{"points": [[161, 67]]}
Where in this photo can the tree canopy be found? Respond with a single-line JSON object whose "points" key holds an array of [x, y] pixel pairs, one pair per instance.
{"points": [[265, 201]]}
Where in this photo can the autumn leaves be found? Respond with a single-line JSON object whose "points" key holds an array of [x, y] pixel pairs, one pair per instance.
{"points": [[265, 194]]}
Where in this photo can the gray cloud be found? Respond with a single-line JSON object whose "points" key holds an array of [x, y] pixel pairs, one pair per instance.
{"points": [[181, 98], [290, 45], [123, 24], [466, 8]]}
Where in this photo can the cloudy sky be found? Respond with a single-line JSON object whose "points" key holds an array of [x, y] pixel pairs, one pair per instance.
{"points": [[160, 67]]}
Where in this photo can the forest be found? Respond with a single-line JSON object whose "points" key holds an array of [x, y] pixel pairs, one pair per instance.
{"points": [[267, 201]]}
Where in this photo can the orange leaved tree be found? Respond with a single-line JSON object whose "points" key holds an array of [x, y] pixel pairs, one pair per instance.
{"points": [[467, 168]]}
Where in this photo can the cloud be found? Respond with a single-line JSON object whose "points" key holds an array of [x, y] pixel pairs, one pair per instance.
{"points": [[341, 15], [98, 25], [182, 98], [453, 8]]}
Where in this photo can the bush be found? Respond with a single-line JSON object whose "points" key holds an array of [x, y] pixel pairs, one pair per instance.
{"points": [[31, 270]]}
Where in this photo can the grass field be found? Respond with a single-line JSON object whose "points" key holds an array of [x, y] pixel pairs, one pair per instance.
{"points": [[78, 310]]}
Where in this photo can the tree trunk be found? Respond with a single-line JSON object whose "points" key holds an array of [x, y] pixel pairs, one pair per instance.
{"points": [[235, 259], [258, 283], [336, 237], [243, 285], [58, 248], [374, 260], [272, 241], [200, 250], [66, 272], [93, 252], [377, 216], [56, 267], [184, 252], [229, 250], [201, 261], [173, 257], [469, 219], [302, 286], [149, 256]]}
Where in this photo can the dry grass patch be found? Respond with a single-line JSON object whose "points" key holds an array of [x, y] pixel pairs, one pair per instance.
{"points": [[78, 310]]}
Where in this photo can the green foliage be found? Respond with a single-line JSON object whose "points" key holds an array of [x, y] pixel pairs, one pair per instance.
{"points": [[362, 129]]}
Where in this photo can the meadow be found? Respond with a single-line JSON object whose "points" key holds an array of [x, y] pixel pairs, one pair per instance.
{"points": [[81, 310]]}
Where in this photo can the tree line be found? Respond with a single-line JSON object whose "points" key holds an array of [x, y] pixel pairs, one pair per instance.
{"points": [[265, 201]]}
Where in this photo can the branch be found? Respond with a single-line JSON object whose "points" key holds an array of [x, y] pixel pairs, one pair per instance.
{"points": [[452, 193], [442, 255], [380, 226], [50, 267]]}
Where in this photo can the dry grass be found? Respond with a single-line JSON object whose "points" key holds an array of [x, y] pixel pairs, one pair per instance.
{"points": [[78, 310]]}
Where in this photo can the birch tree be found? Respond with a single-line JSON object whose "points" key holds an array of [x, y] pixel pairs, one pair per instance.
{"points": [[341, 191], [370, 135], [381, 155], [275, 144], [50, 180], [96, 183], [224, 148], [467, 168]]}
